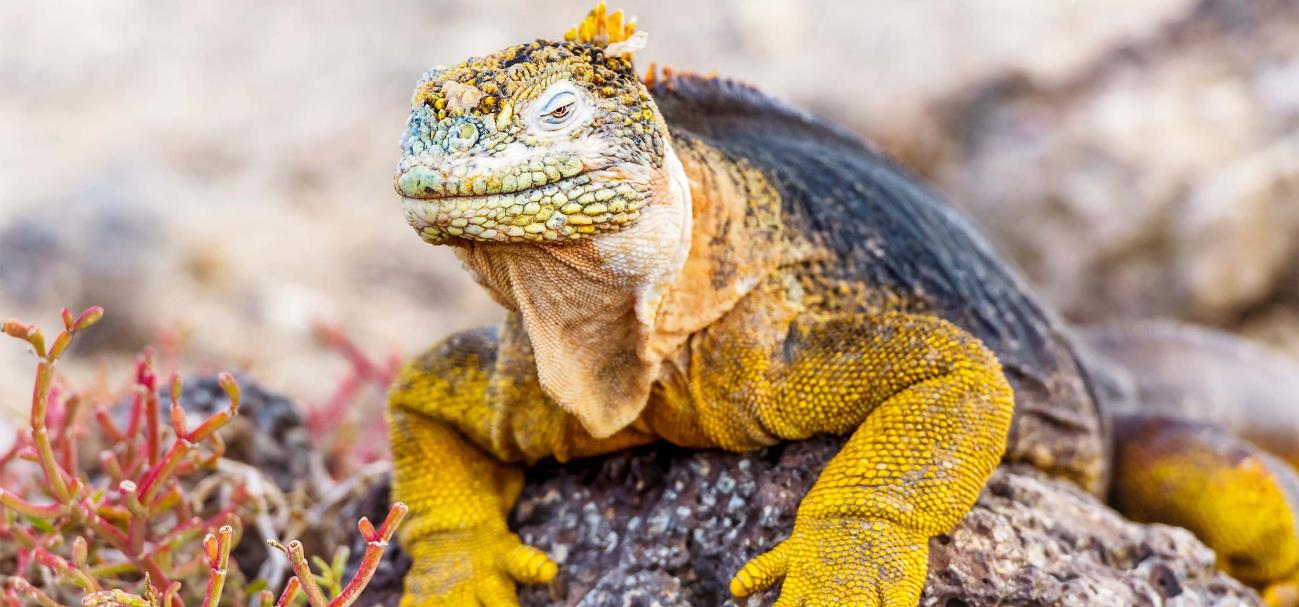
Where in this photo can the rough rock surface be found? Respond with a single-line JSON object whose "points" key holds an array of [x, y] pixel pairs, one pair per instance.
{"points": [[661, 526]]}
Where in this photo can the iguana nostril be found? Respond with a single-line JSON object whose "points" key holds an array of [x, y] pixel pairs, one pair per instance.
{"points": [[419, 182]]}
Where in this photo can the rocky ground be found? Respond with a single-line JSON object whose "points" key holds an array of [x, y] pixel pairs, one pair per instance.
{"points": [[667, 527]]}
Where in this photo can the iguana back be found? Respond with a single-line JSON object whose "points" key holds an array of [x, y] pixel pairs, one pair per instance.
{"points": [[909, 247]]}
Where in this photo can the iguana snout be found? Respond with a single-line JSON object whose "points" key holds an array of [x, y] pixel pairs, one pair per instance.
{"points": [[541, 142]]}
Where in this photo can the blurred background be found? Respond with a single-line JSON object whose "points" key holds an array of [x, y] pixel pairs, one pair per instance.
{"points": [[218, 175]]}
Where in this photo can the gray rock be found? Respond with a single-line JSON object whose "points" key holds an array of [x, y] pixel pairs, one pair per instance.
{"points": [[663, 526]]}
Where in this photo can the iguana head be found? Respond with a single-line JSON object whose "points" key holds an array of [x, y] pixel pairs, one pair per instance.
{"points": [[549, 141], [549, 169]]}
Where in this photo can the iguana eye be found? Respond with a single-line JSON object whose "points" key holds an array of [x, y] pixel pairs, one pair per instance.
{"points": [[559, 110]]}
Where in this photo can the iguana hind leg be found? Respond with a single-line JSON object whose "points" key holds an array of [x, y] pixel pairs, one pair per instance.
{"points": [[1239, 500], [462, 417]]}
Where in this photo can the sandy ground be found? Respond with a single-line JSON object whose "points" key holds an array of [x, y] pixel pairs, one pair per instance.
{"points": [[222, 171]]}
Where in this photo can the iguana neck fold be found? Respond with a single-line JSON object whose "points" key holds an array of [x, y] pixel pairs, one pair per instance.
{"points": [[602, 314]]}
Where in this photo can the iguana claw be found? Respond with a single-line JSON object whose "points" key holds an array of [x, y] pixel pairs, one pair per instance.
{"points": [[841, 562], [476, 567]]}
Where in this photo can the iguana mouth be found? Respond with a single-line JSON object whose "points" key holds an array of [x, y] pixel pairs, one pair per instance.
{"points": [[482, 177], [580, 204]]}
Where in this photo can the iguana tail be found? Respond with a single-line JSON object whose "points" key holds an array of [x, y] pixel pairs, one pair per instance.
{"points": [[1207, 437]]}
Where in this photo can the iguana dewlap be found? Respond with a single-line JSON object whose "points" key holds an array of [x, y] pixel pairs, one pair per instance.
{"points": [[686, 260]]}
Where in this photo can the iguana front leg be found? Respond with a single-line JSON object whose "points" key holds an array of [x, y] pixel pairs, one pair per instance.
{"points": [[929, 412], [462, 417], [463, 552]]}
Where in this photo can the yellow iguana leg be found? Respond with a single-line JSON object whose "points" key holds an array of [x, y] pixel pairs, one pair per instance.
{"points": [[460, 417], [929, 411], [463, 553], [1239, 500]]}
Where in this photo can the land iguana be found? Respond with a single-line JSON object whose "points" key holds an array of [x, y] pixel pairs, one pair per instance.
{"points": [[685, 259]]}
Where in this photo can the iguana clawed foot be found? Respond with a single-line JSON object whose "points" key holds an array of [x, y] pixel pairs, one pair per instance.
{"points": [[473, 567], [842, 562]]}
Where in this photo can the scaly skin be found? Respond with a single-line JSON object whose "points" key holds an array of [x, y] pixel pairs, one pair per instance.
{"points": [[1193, 411], [685, 260], [453, 414], [926, 404], [1234, 497]]}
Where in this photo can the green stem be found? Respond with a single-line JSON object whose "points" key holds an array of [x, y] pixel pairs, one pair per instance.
{"points": [[40, 435], [113, 570], [11, 501]]}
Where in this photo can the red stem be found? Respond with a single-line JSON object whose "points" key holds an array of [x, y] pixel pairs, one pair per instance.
{"points": [[171, 595], [157, 578], [336, 409], [151, 425], [336, 339], [114, 535], [210, 425], [137, 412], [365, 571], [290, 591], [298, 562], [107, 426], [111, 466], [68, 430], [159, 473], [138, 524], [396, 513], [17, 584], [218, 553], [374, 549], [240, 496]]}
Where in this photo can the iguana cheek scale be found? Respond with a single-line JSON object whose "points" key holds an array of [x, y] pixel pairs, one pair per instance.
{"points": [[685, 260]]}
